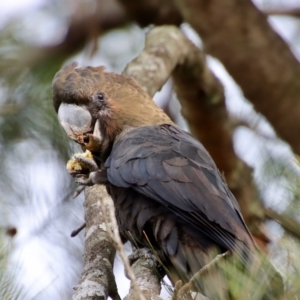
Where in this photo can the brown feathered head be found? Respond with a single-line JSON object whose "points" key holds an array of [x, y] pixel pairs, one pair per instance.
{"points": [[92, 101]]}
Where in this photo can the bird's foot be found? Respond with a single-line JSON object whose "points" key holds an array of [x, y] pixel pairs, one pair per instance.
{"points": [[87, 162], [81, 164], [83, 167]]}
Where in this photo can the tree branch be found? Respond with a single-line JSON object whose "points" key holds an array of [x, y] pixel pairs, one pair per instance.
{"points": [[239, 35], [147, 279], [97, 279]]}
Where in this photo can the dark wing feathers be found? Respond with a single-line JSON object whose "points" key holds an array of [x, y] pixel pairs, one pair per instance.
{"points": [[168, 165]]}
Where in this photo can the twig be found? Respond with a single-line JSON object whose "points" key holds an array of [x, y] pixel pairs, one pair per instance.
{"points": [[78, 191], [113, 230], [181, 290], [77, 230], [288, 223]]}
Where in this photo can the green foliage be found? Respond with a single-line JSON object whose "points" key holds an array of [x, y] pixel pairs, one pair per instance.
{"points": [[9, 287]]}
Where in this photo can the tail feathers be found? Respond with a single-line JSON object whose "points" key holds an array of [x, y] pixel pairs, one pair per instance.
{"points": [[186, 257], [229, 277], [189, 260]]}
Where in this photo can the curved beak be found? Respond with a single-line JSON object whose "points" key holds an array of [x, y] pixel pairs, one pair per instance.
{"points": [[77, 123], [75, 120]]}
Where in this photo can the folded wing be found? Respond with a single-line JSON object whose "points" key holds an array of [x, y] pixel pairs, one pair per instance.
{"points": [[171, 167]]}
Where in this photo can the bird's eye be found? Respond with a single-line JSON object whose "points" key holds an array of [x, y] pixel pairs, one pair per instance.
{"points": [[99, 100], [100, 96]]}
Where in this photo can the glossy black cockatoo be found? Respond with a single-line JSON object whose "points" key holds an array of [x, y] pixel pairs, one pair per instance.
{"points": [[163, 182]]}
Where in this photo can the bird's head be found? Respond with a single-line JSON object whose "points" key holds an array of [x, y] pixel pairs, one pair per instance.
{"points": [[95, 106]]}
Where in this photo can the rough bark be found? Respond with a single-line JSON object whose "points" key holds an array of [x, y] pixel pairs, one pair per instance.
{"points": [[239, 35], [147, 279], [167, 51], [97, 280]]}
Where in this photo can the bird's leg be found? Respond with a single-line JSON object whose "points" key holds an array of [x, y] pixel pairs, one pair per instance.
{"points": [[96, 177]]}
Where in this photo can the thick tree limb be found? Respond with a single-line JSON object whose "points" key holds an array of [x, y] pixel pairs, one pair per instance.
{"points": [[97, 279], [153, 12], [167, 51], [147, 279], [239, 35]]}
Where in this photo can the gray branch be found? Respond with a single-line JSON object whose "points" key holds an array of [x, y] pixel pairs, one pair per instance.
{"points": [[97, 280]]}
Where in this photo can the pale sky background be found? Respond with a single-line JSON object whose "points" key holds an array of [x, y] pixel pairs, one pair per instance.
{"points": [[42, 263]]}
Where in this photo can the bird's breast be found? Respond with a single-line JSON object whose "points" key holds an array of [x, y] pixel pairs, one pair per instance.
{"points": [[135, 213]]}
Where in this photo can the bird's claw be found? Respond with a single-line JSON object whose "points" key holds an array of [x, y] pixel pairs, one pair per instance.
{"points": [[83, 167], [89, 163]]}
